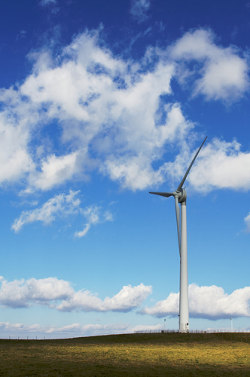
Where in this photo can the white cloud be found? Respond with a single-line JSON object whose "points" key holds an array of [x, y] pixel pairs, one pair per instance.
{"points": [[224, 78], [83, 232], [221, 165], [82, 300], [206, 302], [127, 299], [54, 171], [135, 171], [105, 110], [15, 160], [94, 215], [147, 328], [19, 330], [223, 73], [139, 9], [247, 222], [61, 204], [59, 294], [90, 329], [134, 174], [109, 112], [22, 293]]}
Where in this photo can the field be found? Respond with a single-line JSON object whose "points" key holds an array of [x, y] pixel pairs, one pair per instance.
{"points": [[163, 354]]}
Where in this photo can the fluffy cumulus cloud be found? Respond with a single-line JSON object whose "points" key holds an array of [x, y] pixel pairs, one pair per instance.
{"points": [[209, 302], [87, 109], [139, 9], [223, 73], [127, 299], [220, 165], [54, 171], [15, 134], [22, 293], [60, 295], [104, 116]]}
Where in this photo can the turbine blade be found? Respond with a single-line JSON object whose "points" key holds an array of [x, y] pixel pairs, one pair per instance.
{"points": [[189, 168], [177, 212], [166, 194]]}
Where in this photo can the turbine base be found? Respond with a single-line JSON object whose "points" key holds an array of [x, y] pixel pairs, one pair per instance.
{"points": [[184, 329]]}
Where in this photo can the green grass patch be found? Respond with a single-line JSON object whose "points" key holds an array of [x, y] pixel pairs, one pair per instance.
{"points": [[167, 354]]}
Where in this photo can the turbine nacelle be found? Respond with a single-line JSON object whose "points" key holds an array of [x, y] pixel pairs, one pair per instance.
{"points": [[181, 194]]}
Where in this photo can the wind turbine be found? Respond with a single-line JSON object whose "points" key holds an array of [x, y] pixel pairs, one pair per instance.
{"points": [[180, 196]]}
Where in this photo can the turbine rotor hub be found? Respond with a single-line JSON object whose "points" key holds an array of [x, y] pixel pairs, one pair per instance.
{"points": [[181, 195]]}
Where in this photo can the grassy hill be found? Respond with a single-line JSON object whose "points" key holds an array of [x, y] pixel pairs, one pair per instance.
{"points": [[162, 354]]}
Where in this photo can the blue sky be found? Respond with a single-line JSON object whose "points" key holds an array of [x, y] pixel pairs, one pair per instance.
{"points": [[100, 103]]}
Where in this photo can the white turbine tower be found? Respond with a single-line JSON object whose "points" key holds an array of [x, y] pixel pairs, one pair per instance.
{"points": [[180, 196]]}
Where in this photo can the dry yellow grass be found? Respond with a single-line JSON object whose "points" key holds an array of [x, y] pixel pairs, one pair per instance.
{"points": [[129, 355]]}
